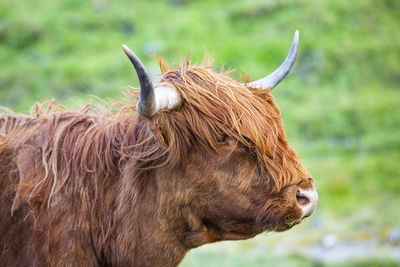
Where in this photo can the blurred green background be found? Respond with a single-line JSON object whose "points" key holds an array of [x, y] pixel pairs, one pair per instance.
{"points": [[340, 104]]}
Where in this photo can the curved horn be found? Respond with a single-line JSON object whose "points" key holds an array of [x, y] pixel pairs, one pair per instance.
{"points": [[151, 99], [273, 79]]}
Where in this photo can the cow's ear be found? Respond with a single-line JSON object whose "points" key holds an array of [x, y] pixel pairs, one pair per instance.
{"points": [[162, 138], [159, 134]]}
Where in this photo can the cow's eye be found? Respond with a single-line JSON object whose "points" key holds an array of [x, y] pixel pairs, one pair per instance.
{"points": [[222, 139], [225, 140]]}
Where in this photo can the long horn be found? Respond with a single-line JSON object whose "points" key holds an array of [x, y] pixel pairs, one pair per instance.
{"points": [[151, 99], [273, 79]]}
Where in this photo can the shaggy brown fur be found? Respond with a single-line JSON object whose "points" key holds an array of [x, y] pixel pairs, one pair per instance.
{"points": [[94, 188]]}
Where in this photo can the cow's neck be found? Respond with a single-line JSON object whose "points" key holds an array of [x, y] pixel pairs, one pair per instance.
{"points": [[149, 239]]}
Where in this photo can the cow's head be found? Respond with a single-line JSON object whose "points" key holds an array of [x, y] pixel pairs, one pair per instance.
{"points": [[234, 173]]}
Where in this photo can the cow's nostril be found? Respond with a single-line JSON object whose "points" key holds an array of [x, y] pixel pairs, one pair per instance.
{"points": [[307, 200], [301, 199]]}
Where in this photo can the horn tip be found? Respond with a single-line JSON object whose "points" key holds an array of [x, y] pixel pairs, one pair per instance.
{"points": [[126, 50], [296, 36]]}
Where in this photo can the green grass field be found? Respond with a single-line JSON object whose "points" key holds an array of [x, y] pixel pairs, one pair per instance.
{"points": [[340, 105]]}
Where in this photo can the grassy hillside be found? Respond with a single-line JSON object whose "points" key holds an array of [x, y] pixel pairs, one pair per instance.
{"points": [[340, 104]]}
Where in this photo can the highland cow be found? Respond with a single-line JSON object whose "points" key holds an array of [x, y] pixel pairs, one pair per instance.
{"points": [[202, 158]]}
